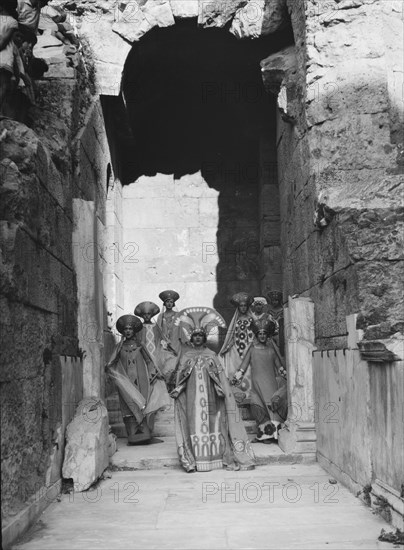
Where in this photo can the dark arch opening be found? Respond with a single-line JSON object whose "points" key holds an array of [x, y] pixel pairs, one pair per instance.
{"points": [[195, 98]]}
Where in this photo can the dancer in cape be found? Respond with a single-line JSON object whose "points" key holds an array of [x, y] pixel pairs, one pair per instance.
{"points": [[209, 429], [135, 376], [169, 344], [267, 377], [238, 339]]}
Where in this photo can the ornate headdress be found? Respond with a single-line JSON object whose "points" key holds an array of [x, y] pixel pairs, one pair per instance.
{"points": [[131, 320], [275, 293], [240, 297], [169, 295], [147, 307], [266, 324], [260, 300], [200, 320]]}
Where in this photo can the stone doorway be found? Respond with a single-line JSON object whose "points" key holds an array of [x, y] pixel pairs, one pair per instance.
{"points": [[194, 140]]}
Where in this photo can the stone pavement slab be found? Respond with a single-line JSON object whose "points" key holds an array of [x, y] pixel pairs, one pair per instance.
{"points": [[274, 506]]}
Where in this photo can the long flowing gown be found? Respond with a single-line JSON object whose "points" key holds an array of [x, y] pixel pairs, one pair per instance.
{"points": [[149, 338], [237, 342], [265, 367], [166, 330], [132, 370], [209, 429]]}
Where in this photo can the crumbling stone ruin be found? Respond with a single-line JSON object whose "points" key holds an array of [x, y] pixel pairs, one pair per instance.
{"points": [[219, 146]]}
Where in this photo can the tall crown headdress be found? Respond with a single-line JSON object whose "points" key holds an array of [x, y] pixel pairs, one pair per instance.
{"points": [[169, 295], [131, 320], [147, 307]]}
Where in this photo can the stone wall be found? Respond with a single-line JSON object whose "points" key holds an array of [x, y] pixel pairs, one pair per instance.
{"points": [[359, 410], [340, 156], [45, 170], [183, 234], [38, 295]]}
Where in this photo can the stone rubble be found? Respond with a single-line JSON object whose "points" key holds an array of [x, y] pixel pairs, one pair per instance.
{"points": [[87, 444]]}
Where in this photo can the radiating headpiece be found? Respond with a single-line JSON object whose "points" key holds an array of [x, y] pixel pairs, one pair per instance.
{"points": [[200, 320]]}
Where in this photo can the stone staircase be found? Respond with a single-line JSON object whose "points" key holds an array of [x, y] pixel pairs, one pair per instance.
{"points": [[163, 455], [164, 424]]}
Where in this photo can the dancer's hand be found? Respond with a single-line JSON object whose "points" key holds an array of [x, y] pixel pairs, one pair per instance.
{"points": [[163, 344], [174, 394], [237, 378]]}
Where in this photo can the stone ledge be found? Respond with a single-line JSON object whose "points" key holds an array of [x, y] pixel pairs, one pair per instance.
{"points": [[383, 492], [164, 456], [24, 519]]}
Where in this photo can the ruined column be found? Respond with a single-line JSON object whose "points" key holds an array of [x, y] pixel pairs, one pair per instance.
{"points": [[299, 436], [89, 294]]}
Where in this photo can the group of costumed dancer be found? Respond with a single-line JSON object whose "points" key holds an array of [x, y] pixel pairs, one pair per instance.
{"points": [[173, 358]]}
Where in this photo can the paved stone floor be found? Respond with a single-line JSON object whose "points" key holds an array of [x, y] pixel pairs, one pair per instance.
{"points": [[278, 506]]}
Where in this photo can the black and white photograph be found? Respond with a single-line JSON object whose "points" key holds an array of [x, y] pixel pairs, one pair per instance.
{"points": [[202, 274]]}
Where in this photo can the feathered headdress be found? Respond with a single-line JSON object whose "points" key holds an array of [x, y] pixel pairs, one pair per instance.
{"points": [[192, 320]]}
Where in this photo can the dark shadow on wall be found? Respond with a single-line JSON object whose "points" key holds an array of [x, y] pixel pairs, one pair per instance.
{"points": [[193, 100]]}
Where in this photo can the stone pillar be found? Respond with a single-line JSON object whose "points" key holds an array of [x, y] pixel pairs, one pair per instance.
{"points": [[299, 436], [89, 294]]}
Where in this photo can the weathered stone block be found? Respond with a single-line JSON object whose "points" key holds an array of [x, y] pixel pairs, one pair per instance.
{"points": [[135, 20], [279, 69], [184, 8], [347, 87], [372, 142], [259, 18], [161, 185], [270, 232], [160, 213], [87, 442], [214, 13], [269, 200]]}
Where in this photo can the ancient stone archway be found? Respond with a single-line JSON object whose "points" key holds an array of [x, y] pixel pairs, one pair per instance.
{"points": [[110, 31]]}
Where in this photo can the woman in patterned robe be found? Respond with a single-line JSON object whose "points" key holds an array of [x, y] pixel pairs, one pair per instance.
{"points": [[238, 339], [149, 335], [209, 430], [167, 334]]}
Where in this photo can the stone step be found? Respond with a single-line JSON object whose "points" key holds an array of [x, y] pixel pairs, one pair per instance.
{"points": [[166, 429], [163, 455], [164, 423]]}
